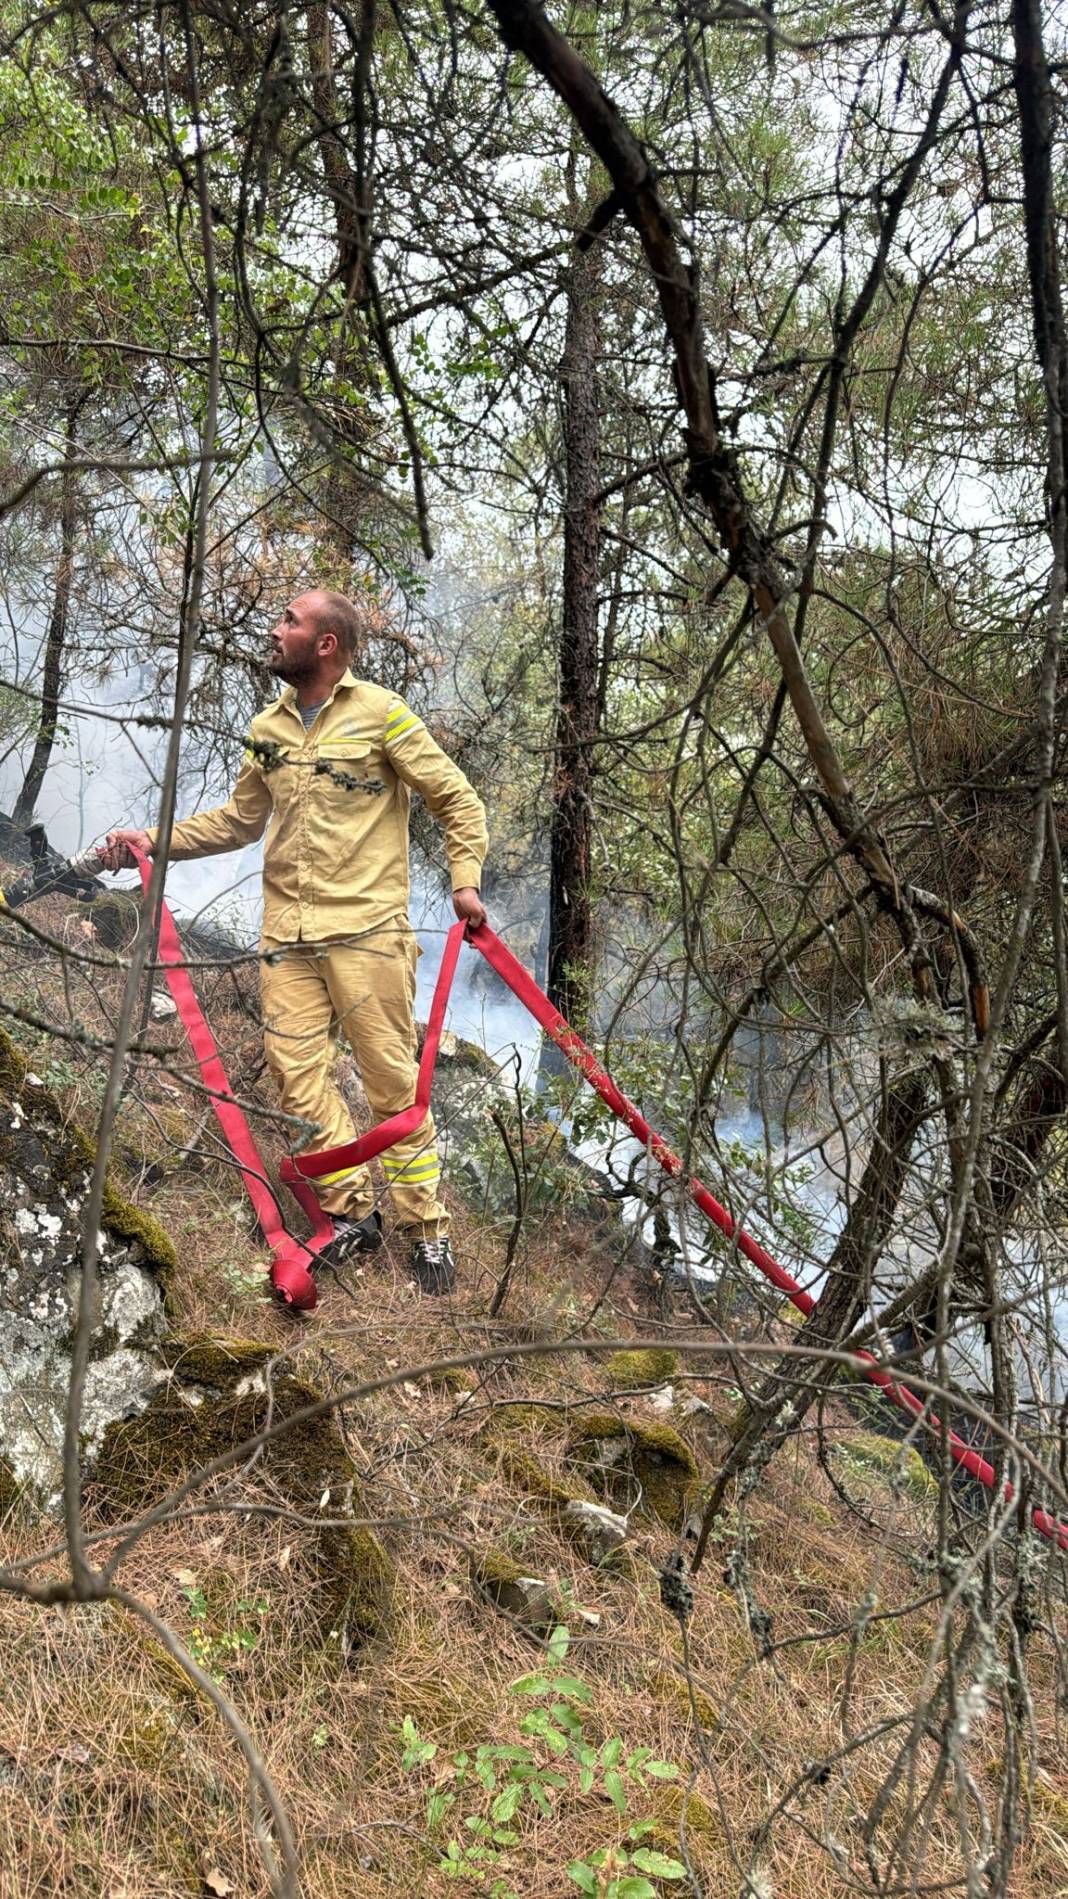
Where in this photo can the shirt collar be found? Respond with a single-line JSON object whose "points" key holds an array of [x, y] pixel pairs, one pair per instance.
{"points": [[289, 693]]}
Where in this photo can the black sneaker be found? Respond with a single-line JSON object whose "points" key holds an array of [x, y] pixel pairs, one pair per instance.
{"points": [[433, 1265], [352, 1237]]}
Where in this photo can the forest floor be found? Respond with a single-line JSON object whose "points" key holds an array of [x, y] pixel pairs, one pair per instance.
{"points": [[787, 1715]]}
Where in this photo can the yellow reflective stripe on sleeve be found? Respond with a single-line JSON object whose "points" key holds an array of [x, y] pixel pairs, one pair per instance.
{"points": [[331, 1180], [400, 722], [398, 732]]}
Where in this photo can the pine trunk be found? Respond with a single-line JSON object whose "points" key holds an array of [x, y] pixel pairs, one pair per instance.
{"points": [[51, 684], [570, 906]]}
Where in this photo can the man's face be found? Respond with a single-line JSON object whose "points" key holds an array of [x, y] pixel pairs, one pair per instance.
{"points": [[295, 642]]}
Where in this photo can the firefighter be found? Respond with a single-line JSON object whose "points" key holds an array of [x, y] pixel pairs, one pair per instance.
{"points": [[329, 772]]}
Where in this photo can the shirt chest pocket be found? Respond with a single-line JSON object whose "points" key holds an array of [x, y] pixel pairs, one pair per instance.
{"points": [[343, 771]]}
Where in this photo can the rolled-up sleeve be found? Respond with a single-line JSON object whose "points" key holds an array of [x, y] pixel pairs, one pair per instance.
{"points": [[229, 827], [448, 795]]}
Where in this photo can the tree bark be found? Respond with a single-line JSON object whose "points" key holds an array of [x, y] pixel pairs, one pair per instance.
{"points": [[52, 681], [346, 182], [571, 832]]}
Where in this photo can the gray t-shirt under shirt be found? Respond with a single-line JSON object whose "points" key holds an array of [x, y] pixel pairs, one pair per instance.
{"points": [[310, 713]]}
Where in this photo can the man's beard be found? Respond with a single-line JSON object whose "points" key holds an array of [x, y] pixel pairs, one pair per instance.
{"points": [[294, 671]]}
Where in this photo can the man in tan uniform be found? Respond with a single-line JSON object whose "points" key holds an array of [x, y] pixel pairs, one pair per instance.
{"points": [[329, 772]]}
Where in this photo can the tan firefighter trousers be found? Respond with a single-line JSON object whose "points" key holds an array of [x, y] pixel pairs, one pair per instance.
{"points": [[364, 989]]}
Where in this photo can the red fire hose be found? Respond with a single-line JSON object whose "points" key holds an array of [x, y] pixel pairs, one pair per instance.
{"points": [[291, 1274]]}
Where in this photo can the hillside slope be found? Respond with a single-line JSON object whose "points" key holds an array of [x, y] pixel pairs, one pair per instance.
{"points": [[359, 1592]]}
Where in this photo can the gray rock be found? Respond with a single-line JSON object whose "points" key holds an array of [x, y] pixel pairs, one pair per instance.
{"points": [[44, 1180], [526, 1599], [602, 1530]]}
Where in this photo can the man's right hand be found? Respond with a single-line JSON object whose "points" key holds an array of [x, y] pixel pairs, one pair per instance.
{"points": [[115, 853]]}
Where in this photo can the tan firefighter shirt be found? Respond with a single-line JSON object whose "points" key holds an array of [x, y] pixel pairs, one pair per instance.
{"points": [[334, 802]]}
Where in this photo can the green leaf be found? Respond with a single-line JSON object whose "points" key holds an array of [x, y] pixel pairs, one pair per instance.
{"points": [[611, 1752], [507, 1801], [630, 1888], [571, 1685], [584, 1876], [539, 1723], [650, 1861], [662, 1770], [559, 1643], [564, 1713], [613, 1786], [533, 1685], [437, 1807]]}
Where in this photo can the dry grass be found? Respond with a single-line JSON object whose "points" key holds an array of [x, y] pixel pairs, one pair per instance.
{"points": [[118, 1782]]}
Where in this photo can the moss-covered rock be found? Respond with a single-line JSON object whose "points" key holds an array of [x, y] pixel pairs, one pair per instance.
{"points": [[499, 1579], [508, 1420], [569, 1507], [524, 1473], [222, 1393], [630, 1371], [703, 1826], [897, 1464], [634, 1460]]}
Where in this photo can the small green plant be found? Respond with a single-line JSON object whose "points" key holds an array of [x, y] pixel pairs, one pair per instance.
{"points": [[213, 1648], [247, 1284], [551, 1756], [620, 1872]]}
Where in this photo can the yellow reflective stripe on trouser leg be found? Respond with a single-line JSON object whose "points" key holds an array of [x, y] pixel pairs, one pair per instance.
{"points": [[372, 995], [331, 1180], [398, 1171]]}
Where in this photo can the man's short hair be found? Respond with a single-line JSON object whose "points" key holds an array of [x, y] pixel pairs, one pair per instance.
{"points": [[339, 617]]}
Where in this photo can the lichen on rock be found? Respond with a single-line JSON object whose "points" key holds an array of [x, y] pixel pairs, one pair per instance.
{"points": [[46, 1163]]}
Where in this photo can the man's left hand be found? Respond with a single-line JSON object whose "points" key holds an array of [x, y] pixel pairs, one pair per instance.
{"points": [[469, 906]]}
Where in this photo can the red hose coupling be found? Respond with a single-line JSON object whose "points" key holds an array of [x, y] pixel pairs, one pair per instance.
{"points": [[293, 1283]]}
